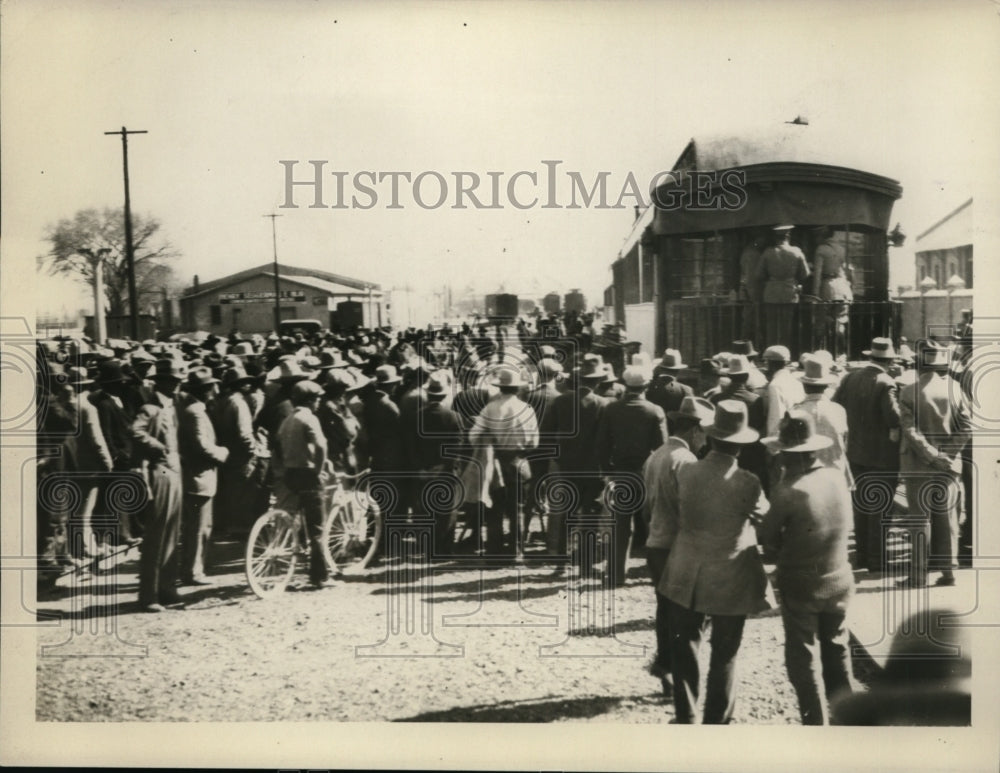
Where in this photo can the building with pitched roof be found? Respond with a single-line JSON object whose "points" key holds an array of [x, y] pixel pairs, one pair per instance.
{"points": [[245, 301]]}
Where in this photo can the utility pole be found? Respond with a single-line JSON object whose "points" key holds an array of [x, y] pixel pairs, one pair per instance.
{"points": [[133, 301], [277, 292]]}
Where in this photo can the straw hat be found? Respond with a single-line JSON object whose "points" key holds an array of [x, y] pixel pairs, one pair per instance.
{"points": [[882, 349]]}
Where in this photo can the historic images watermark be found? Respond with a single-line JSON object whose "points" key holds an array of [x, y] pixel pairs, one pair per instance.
{"points": [[548, 188]]}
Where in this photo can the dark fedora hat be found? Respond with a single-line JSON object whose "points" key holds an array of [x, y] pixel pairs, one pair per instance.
{"points": [[110, 371], [169, 368], [743, 347], [235, 377], [198, 378], [732, 423], [694, 408]]}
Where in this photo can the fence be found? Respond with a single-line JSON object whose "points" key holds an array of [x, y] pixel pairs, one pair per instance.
{"points": [[700, 327]]}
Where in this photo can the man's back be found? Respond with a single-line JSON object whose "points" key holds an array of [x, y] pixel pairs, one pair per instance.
{"points": [[807, 530], [868, 396], [630, 430]]}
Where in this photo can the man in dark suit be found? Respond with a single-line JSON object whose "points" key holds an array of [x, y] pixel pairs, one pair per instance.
{"points": [[115, 417], [437, 427], [806, 532], [630, 429], [868, 394], [572, 424], [666, 390], [201, 457]]}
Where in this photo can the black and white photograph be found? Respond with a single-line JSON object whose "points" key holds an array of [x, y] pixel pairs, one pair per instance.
{"points": [[500, 385]]}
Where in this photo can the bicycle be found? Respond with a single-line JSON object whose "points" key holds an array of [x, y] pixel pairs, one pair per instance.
{"points": [[278, 539]]}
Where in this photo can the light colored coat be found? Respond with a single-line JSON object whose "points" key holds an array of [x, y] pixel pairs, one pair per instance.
{"points": [[714, 566]]}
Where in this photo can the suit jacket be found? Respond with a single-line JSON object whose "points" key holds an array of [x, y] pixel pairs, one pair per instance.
{"points": [[935, 423], [714, 566], [572, 423], [380, 416], [806, 531], [439, 426], [116, 426], [869, 397], [154, 433], [92, 452], [667, 392], [660, 476], [234, 429], [629, 430], [200, 454]]}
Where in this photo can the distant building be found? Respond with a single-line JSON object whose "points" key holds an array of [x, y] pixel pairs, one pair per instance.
{"points": [[244, 301], [945, 249]]}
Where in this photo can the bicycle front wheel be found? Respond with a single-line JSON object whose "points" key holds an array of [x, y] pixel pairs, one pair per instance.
{"points": [[271, 553], [351, 534]]}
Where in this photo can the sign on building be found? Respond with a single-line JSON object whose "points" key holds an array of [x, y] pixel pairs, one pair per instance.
{"points": [[260, 296]]}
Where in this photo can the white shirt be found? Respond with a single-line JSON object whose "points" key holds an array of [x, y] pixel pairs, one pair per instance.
{"points": [[507, 422], [783, 393]]}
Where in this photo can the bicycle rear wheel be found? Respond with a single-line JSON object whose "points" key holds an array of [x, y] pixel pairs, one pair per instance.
{"points": [[271, 553], [351, 534]]}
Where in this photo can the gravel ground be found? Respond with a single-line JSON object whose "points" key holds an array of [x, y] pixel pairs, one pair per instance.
{"points": [[512, 644]]}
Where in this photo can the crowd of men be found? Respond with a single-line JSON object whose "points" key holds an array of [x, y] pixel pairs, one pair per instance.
{"points": [[738, 465]]}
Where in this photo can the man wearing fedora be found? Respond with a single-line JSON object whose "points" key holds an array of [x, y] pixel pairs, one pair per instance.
{"points": [[300, 455], [756, 380], [806, 533], [752, 456], [234, 509], [830, 417], [116, 419], [154, 433], [783, 390], [201, 456], [438, 427], [508, 424], [935, 426], [572, 423], [93, 459], [340, 425], [868, 395], [666, 390], [630, 430], [714, 568], [380, 441], [659, 475]]}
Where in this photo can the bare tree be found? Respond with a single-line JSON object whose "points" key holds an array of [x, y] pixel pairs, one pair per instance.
{"points": [[75, 243]]}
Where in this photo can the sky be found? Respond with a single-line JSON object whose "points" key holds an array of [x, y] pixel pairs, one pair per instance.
{"points": [[227, 90]]}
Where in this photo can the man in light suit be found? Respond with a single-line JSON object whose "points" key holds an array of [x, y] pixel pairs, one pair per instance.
{"points": [[936, 426], [714, 568], [806, 532], [200, 459]]}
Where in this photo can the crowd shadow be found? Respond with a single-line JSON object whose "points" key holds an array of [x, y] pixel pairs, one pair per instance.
{"points": [[534, 710]]}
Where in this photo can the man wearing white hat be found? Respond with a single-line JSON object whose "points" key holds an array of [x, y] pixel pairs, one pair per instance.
{"points": [[936, 426], [714, 568], [509, 425], [630, 429], [783, 390], [806, 532], [830, 417]]}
